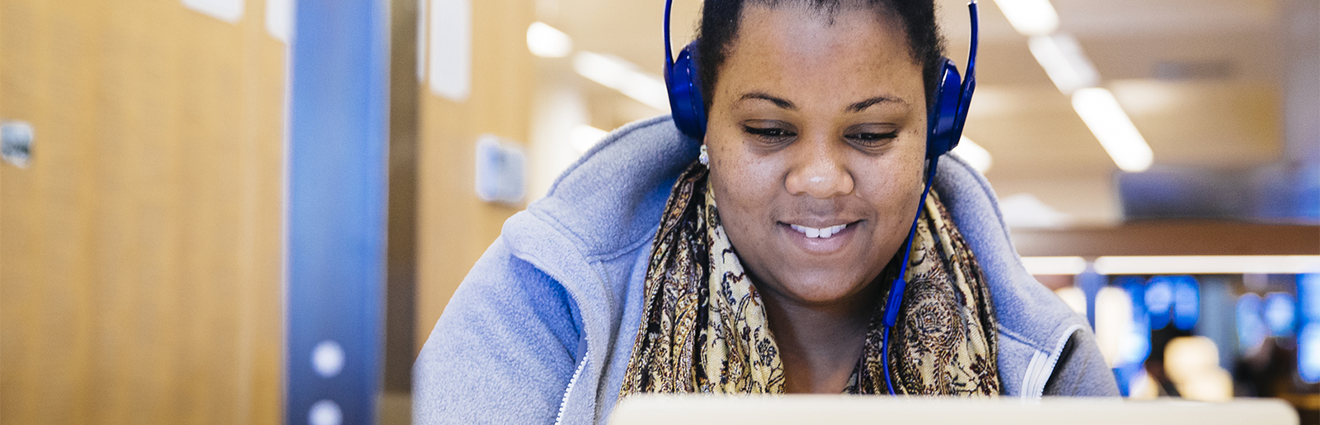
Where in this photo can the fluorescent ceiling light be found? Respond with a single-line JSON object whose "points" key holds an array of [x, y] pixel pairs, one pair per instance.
{"points": [[584, 137], [1209, 264], [547, 42], [1102, 113], [1054, 265], [623, 76], [974, 154], [1064, 61], [1030, 17]]}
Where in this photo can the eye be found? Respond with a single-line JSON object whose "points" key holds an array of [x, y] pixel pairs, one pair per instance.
{"points": [[773, 133], [872, 138], [871, 135]]}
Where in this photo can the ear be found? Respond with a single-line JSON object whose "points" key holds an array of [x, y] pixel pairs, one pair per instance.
{"points": [[685, 100], [942, 134]]}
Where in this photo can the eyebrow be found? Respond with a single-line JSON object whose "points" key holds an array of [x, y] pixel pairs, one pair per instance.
{"points": [[780, 102], [785, 104], [860, 106]]}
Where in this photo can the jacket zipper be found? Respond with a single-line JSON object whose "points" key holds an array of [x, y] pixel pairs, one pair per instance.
{"points": [[563, 404], [1037, 379]]}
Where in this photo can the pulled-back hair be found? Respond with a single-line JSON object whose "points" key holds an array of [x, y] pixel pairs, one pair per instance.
{"points": [[720, 20]]}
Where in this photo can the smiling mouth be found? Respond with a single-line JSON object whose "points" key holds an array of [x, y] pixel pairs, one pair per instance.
{"points": [[824, 233]]}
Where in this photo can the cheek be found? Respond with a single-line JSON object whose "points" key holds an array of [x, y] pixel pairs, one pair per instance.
{"points": [[893, 189], [747, 189], [744, 184], [741, 179]]}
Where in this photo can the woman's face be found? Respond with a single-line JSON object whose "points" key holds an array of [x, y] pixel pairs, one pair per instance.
{"points": [[817, 122]]}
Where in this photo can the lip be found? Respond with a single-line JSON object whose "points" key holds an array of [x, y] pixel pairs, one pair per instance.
{"points": [[820, 246]]}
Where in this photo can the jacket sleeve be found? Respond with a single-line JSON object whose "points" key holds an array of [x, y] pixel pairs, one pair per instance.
{"points": [[1081, 370], [503, 351]]}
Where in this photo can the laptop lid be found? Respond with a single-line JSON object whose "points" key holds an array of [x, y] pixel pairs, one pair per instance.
{"points": [[818, 409]]}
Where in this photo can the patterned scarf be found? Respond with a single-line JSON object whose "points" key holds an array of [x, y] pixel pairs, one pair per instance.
{"points": [[704, 328]]}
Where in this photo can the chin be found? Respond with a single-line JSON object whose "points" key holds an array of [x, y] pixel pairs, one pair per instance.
{"points": [[824, 288]]}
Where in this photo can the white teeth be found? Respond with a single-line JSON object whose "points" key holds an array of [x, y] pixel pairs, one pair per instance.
{"points": [[819, 233]]}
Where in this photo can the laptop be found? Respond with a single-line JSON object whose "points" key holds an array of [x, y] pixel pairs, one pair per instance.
{"points": [[825, 409]]}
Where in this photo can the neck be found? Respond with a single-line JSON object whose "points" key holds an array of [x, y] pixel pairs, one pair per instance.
{"points": [[820, 344]]}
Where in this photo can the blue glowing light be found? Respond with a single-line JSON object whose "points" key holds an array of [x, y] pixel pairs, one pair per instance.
{"points": [[1250, 328], [1135, 346], [1186, 302], [1308, 294], [1279, 312], [1136, 287], [1308, 339], [1308, 353], [1159, 296]]}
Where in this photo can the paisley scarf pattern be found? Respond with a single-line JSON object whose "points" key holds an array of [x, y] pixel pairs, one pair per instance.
{"points": [[704, 328]]}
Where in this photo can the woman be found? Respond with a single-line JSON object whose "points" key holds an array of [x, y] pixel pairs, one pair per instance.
{"points": [[760, 259]]}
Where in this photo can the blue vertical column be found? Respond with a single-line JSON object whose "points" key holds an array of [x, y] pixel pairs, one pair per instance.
{"points": [[1217, 317], [338, 123], [1090, 283], [1308, 327]]}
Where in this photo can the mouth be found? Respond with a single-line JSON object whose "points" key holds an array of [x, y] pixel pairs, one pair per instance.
{"points": [[822, 233], [827, 239]]}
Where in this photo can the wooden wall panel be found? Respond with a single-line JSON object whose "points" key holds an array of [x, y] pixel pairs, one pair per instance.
{"points": [[454, 226], [1172, 237], [140, 251]]}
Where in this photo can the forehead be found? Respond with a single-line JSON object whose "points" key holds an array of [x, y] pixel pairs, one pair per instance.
{"points": [[825, 51], [827, 9]]}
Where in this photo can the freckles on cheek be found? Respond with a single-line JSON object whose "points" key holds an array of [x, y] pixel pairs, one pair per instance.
{"points": [[735, 197], [743, 179], [745, 197], [893, 190]]}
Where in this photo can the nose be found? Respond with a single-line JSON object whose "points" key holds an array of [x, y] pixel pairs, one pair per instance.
{"points": [[819, 170]]}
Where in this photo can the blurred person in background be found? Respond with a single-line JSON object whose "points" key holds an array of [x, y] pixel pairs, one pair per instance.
{"points": [[761, 257]]}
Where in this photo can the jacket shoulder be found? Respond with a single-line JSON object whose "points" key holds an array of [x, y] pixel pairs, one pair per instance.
{"points": [[611, 198], [503, 350], [1035, 326]]}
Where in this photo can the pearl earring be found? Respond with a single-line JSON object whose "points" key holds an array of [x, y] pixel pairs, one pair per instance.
{"points": [[704, 157]]}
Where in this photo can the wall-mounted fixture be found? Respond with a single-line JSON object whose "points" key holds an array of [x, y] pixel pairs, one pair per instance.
{"points": [[501, 170], [16, 143]]}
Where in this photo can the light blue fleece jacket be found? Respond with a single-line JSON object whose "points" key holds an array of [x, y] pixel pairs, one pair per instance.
{"points": [[542, 328]]}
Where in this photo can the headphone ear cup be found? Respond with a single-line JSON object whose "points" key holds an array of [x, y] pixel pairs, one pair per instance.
{"points": [[942, 136], [685, 101]]}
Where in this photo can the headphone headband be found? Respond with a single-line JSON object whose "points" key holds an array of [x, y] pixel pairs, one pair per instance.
{"points": [[944, 126]]}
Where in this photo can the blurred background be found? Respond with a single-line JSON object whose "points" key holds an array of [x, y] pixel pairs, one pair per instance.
{"points": [[1158, 162]]}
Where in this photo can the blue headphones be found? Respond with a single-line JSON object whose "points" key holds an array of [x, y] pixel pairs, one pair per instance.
{"points": [[944, 129], [945, 124]]}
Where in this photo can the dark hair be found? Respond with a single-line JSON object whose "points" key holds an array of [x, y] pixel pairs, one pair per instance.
{"points": [[720, 20]]}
